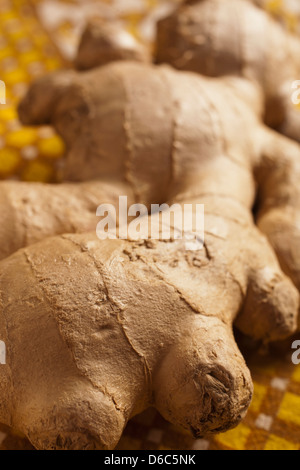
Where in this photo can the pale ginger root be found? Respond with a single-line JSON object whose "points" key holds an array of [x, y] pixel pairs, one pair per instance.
{"points": [[125, 121], [116, 135], [217, 37], [97, 331]]}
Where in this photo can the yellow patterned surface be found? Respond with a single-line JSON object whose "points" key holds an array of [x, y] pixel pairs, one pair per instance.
{"points": [[41, 35], [26, 52], [287, 11]]}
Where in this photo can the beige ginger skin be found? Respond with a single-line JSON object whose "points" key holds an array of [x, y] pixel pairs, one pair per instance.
{"points": [[97, 331], [236, 37], [31, 212], [85, 316]]}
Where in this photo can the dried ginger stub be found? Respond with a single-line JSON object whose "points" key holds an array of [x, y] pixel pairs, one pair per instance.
{"points": [[195, 37]]}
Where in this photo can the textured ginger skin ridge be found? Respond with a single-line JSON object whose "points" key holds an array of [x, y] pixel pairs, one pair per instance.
{"points": [[122, 325]]}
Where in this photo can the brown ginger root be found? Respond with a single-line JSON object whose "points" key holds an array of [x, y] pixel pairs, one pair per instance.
{"points": [[99, 331], [279, 196], [103, 42], [126, 324], [217, 37], [189, 41]]}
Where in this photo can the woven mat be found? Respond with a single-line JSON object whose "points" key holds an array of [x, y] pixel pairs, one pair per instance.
{"points": [[42, 35]]}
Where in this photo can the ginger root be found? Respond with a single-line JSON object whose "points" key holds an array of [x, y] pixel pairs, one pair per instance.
{"points": [[115, 131], [97, 331], [216, 37], [98, 134]]}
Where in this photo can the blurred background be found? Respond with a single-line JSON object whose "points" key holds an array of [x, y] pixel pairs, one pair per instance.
{"points": [[38, 36]]}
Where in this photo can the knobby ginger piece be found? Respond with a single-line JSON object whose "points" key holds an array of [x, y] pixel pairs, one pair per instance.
{"points": [[163, 132], [105, 42]]}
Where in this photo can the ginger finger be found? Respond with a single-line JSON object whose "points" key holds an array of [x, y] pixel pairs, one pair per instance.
{"points": [[39, 103], [278, 172]]}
